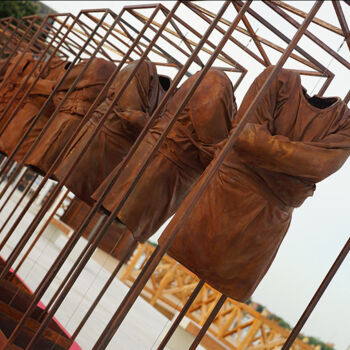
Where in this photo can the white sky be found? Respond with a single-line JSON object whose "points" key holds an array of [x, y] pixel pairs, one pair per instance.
{"points": [[320, 228]]}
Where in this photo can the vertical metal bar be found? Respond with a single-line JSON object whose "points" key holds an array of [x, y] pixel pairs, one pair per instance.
{"points": [[73, 268], [125, 258], [40, 233], [315, 299], [135, 290], [25, 192], [185, 209], [342, 21], [55, 267], [269, 26], [181, 315], [14, 189], [9, 39], [3, 30], [208, 322], [24, 83], [25, 50], [313, 37], [41, 213], [324, 87], [77, 234], [347, 97]]}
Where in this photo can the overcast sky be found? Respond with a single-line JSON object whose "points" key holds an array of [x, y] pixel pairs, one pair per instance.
{"points": [[320, 228]]}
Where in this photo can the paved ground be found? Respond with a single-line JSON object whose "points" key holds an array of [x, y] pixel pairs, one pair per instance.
{"points": [[143, 326]]}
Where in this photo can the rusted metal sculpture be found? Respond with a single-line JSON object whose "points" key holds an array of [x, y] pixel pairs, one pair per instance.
{"points": [[71, 112], [291, 142], [188, 149], [194, 48], [12, 81], [21, 121], [113, 141]]}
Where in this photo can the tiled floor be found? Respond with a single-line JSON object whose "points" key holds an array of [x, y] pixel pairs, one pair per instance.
{"points": [[143, 326]]}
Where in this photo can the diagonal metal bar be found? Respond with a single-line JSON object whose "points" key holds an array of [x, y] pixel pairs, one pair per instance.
{"points": [[41, 213], [208, 322], [256, 41], [181, 315], [186, 208], [333, 270], [342, 21], [313, 37]]}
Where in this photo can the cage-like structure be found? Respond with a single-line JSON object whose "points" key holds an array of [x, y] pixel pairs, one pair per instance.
{"points": [[185, 38]]}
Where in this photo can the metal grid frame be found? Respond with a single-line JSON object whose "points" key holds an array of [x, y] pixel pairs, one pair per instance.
{"points": [[13, 39]]}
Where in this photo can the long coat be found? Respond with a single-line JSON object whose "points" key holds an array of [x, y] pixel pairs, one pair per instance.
{"points": [[13, 83], [291, 142], [72, 111], [182, 158], [32, 105], [119, 131]]}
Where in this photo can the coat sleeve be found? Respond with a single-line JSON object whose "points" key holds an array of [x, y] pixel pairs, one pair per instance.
{"points": [[313, 161], [42, 87]]}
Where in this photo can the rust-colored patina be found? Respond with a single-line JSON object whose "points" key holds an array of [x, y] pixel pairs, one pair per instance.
{"points": [[72, 111], [291, 142], [188, 149], [118, 133], [13, 82], [35, 100]]}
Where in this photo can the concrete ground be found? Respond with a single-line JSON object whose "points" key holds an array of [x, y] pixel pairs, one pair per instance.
{"points": [[144, 325]]}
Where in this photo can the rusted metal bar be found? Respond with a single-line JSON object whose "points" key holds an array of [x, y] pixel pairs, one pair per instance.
{"points": [[42, 230], [181, 315], [24, 51], [315, 299], [286, 39], [185, 41], [143, 20], [83, 25], [171, 58], [14, 189], [262, 40], [208, 322], [41, 213], [25, 81], [25, 192], [347, 97], [342, 21], [13, 34], [313, 37], [124, 308], [326, 84], [198, 9], [223, 55], [54, 268], [91, 239], [131, 38], [30, 127], [303, 14], [256, 41], [185, 209], [3, 30], [111, 278]]}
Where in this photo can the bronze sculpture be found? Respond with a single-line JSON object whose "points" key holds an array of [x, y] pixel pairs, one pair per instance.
{"points": [[32, 105], [71, 112], [182, 158], [118, 132], [291, 142], [12, 82]]}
